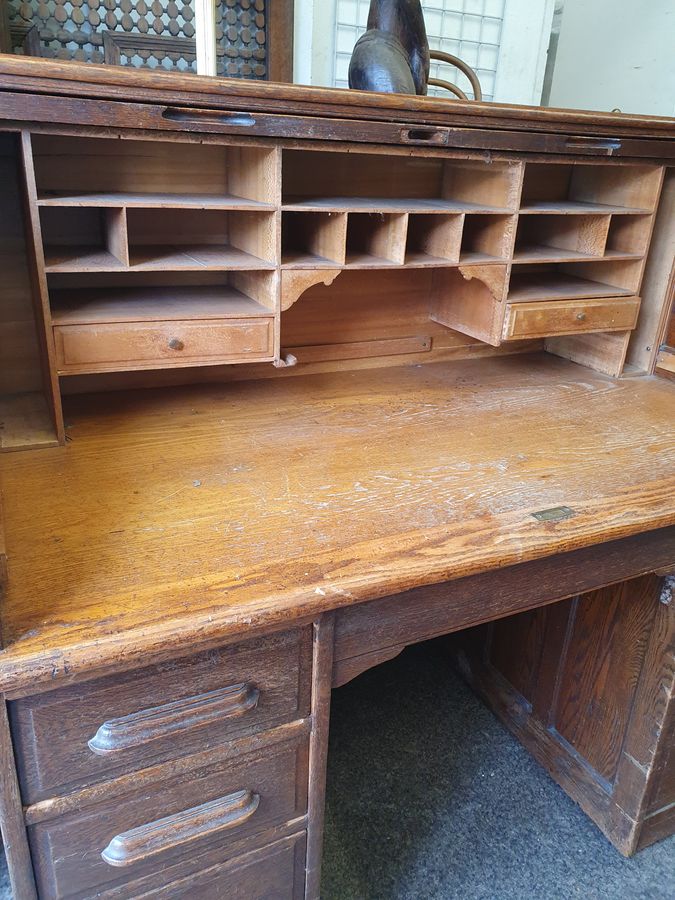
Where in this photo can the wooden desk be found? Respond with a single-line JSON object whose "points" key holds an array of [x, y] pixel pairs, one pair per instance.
{"points": [[124, 551], [191, 567]]}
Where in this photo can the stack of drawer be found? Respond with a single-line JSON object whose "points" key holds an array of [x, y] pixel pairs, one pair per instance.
{"points": [[183, 778]]}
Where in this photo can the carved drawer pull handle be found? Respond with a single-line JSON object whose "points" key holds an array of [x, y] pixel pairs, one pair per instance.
{"points": [[180, 715], [214, 116], [604, 146], [138, 844], [176, 344], [425, 135]]}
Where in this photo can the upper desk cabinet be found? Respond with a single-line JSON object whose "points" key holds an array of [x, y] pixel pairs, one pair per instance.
{"points": [[151, 225]]}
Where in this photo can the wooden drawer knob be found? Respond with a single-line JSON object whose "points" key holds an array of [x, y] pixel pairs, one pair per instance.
{"points": [[139, 843], [176, 344]]}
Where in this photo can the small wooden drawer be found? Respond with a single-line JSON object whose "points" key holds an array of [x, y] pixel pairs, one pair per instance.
{"points": [[274, 872], [147, 345], [176, 821], [77, 736], [551, 317]]}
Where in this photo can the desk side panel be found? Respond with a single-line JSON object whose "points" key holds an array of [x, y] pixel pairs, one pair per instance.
{"points": [[586, 686]]}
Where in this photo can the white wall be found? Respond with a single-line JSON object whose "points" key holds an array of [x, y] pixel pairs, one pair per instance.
{"points": [[616, 54], [314, 42]]}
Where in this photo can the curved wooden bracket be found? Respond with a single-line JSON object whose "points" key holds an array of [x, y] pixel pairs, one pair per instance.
{"points": [[346, 669], [294, 283], [493, 277]]}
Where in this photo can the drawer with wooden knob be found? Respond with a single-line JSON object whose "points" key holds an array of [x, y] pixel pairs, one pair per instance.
{"points": [[548, 318], [90, 732], [170, 820], [117, 346]]}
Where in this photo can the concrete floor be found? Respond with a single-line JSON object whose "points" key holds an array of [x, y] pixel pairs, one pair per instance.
{"points": [[430, 798]]}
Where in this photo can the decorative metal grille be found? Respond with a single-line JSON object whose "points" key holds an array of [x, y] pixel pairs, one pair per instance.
{"points": [[141, 33], [241, 37]]}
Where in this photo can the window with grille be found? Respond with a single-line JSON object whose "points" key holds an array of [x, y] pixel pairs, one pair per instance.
{"points": [[145, 33]]}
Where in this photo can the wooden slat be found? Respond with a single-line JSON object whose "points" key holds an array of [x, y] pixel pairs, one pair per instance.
{"points": [[119, 83], [20, 365], [152, 259], [151, 200], [360, 349], [387, 205], [322, 682], [36, 262], [658, 285], [279, 43], [12, 826], [577, 207]]}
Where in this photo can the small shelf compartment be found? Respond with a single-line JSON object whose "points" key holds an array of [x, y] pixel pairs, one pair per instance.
{"points": [[629, 236], [548, 238], [486, 238], [313, 239], [200, 239], [375, 239], [363, 182], [151, 303], [112, 172], [433, 240], [584, 189], [553, 283], [87, 239]]}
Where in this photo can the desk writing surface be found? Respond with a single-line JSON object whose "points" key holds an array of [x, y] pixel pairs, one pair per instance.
{"points": [[187, 514]]}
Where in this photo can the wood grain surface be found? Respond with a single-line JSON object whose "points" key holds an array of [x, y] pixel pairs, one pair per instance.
{"points": [[197, 514], [114, 82], [276, 665]]}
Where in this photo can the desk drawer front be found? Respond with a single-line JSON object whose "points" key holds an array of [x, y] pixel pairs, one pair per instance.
{"points": [[138, 345], [89, 733], [551, 317], [165, 827], [275, 872]]}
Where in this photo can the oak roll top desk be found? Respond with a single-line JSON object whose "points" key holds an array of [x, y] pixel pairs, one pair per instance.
{"points": [[290, 379]]}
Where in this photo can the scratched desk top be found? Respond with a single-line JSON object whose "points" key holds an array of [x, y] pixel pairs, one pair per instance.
{"points": [[197, 513]]}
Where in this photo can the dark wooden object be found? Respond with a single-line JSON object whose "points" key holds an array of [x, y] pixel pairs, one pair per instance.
{"points": [[393, 54]]}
